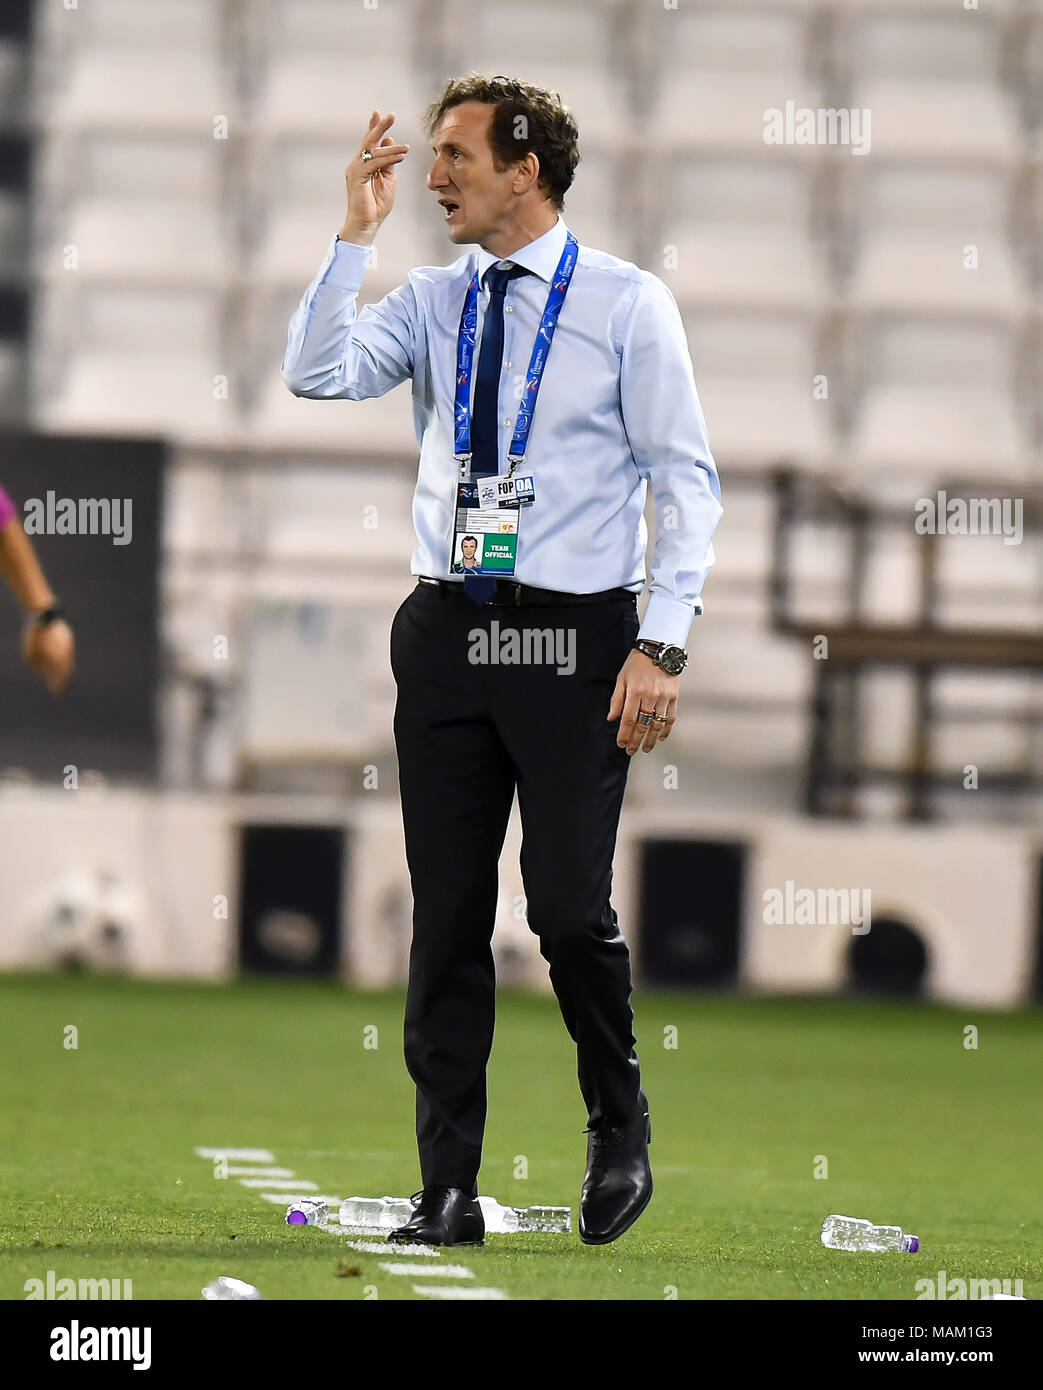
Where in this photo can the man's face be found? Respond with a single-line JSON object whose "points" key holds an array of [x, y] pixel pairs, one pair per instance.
{"points": [[467, 549], [479, 196]]}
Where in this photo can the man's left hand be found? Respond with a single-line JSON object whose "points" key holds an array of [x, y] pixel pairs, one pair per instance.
{"points": [[641, 685]]}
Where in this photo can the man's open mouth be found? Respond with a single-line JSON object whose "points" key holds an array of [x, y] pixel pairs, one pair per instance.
{"points": [[448, 207]]}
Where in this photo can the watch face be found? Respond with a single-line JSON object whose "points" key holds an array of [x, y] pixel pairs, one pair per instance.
{"points": [[673, 660]]}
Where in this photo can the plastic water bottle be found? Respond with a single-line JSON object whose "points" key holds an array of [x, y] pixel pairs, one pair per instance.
{"points": [[227, 1288], [361, 1214], [500, 1220], [308, 1212], [851, 1233]]}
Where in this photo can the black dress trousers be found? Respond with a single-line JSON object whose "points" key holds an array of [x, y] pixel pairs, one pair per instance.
{"points": [[469, 731]]}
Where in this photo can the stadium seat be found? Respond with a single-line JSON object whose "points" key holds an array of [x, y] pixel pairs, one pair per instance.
{"points": [[355, 513], [717, 70], [983, 581], [323, 66], [161, 91], [319, 27], [166, 394], [320, 95], [932, 85], [741, 233], [181, 24], [136, 360], [939, 395], [917, 227], [151, 242], [123, 65], [755, 376], [135, 207]]}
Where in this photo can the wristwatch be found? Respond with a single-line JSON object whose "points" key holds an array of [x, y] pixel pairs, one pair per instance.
{"points": [[670, 659]]}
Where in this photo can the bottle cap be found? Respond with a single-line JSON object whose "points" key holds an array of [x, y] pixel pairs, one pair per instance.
{"points": [[296, 1218], [912, 1244]]}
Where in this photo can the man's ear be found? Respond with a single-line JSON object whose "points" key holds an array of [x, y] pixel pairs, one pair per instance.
{"points": [[530, 165]]}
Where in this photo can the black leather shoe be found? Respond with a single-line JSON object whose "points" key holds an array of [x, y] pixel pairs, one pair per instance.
{"points": [[444, 1216], [618, 1183]]}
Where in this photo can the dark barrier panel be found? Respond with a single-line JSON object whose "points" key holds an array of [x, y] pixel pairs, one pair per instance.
{"points": [[102, 562], [290, 895], [691, 911], [891, 958]]}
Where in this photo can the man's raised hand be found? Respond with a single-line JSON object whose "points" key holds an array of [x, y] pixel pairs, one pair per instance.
{"points": [[370, 183]]}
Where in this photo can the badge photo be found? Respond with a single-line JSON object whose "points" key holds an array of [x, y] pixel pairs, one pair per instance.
{"points": [[468, 554]]}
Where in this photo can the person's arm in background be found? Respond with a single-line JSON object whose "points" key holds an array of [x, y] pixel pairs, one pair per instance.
{"points": [[332, 351], [49, 650]]}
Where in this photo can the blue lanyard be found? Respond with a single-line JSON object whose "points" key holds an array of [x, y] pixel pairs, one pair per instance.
{"points": [[537, 362]]}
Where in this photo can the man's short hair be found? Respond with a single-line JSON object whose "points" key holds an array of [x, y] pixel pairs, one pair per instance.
{"points": [[470, 538], [525, 119]]}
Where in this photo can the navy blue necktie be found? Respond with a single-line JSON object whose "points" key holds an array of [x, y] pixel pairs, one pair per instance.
{"points": [[485, 458]]}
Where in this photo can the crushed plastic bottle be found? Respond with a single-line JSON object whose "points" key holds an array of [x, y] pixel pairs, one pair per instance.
{"points": [[852, 1233], [500, 1219], [362, 1214], [228, 1289], [308, 1212]]}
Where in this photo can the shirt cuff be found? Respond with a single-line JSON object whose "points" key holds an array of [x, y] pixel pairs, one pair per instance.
{"points": [[348, 265], [668, 620]]}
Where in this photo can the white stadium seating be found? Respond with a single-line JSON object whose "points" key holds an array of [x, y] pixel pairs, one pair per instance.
{"points": [[189, 177]]}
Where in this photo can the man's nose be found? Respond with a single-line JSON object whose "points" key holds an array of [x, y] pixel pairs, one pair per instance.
{"points": [[436, 175]]}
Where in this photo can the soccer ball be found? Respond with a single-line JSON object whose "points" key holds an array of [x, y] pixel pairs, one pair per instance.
{"points": [[89, 924]]}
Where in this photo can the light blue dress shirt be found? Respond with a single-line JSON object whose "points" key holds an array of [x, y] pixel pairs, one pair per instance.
{"points": [[617, 410]]}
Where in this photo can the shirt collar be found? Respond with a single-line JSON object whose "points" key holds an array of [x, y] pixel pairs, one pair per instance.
{"points": [[541, 256]]}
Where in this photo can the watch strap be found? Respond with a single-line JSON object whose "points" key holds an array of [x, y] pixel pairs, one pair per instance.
{"points": [[54, 614]]}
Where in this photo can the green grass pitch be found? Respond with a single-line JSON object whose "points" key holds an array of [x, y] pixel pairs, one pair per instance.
{"points": [[100, 1179]]}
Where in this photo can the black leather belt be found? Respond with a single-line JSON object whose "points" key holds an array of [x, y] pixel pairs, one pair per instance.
{"points": [[510, 594]]}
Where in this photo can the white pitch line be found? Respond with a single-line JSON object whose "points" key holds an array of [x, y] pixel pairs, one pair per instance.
{"points": [[244, 1155], [374, 1247], [279, 1199], [456, 1291], [252, 1171], [442, 1271], [297, 1187], [284, 1184]]}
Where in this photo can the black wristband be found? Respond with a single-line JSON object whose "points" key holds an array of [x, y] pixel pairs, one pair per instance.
{"points": [[54, 614]]}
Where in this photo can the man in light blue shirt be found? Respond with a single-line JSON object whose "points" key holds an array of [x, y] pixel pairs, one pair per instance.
{"points": [[598, 344]]}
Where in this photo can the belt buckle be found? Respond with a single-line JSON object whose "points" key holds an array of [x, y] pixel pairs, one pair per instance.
{"points": [[509, 593]]}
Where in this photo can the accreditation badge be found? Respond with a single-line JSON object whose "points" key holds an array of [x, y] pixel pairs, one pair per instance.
{"points": [[485, 537]]}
